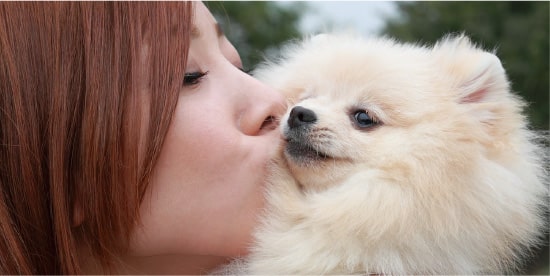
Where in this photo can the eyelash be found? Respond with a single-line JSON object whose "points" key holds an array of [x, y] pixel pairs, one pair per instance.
{"points": [[247, 71], [193, 78]]}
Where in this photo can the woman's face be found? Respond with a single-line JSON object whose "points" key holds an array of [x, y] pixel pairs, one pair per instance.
{"points": [[206, 189]]}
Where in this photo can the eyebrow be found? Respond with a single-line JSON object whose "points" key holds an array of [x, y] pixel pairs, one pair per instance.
{"points": [[195, 32]]}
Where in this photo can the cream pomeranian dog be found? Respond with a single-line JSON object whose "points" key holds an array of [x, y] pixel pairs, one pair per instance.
{"points": [[398, 159]]}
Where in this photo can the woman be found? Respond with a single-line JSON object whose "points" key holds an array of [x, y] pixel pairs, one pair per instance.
{"points": [[130, 139]]}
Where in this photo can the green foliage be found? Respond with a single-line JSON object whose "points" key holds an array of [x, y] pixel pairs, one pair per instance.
{"points": [[517, 30], [257, 27]]}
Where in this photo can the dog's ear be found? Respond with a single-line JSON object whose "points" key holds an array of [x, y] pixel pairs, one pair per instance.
{"points": [[485, 82], [477, 76], [479, 83]]}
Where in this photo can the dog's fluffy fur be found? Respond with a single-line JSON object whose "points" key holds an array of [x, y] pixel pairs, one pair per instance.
{"points": [[400, 159]]}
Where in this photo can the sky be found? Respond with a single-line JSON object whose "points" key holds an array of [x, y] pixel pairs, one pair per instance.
{"points": [[367, 17]]}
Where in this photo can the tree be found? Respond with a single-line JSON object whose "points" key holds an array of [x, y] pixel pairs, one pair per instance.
{"points": [[517, 30], [257, 28]]}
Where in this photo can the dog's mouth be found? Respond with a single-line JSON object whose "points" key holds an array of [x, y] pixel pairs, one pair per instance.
{"points": [[303, 153]]}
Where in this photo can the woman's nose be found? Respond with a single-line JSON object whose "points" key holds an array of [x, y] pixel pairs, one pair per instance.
{"points": [[264, 107]]}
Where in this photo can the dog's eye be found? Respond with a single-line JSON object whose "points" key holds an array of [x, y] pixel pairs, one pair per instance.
{"points": [[363, 119]]}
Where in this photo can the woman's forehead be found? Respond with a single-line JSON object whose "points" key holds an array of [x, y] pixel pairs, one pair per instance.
{"points": [[204, 22]]}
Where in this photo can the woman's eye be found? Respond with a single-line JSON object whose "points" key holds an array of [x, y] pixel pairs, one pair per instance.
{"points": [[193, 78], [247, 71]]}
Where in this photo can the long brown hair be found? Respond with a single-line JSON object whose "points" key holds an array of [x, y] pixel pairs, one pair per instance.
{"points": [[76, 128]]}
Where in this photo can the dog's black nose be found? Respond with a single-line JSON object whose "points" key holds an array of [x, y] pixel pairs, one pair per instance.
{"points": [[300, 116]]}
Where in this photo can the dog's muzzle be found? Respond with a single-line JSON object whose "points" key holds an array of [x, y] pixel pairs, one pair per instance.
{"points": [[299, 148]]}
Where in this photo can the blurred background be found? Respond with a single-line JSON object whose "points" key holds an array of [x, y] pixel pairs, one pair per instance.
{"points": [[519, 31]]}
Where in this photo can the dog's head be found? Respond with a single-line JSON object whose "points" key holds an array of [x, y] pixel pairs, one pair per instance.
{"points": [[360, 105]]}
